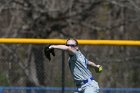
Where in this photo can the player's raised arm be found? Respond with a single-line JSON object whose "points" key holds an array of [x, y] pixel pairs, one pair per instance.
{"points": [[62, 47], [71, 47]]}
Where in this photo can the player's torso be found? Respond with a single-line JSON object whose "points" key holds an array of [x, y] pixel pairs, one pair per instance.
{"points": [[78, 66]]}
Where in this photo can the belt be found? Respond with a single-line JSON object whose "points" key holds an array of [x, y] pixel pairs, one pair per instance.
{"points": [[84, 82]]}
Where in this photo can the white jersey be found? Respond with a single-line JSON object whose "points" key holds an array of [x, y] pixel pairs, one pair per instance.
{"points": [[78, 66]]}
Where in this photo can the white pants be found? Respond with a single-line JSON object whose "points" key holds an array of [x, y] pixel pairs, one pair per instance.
{"points": [[90, 87]]}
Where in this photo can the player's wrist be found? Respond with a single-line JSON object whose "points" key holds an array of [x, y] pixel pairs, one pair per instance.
{"points": [[51, 47], [98, 66]]}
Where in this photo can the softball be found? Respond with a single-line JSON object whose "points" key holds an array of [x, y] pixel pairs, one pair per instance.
{"points": [[100, 69]]}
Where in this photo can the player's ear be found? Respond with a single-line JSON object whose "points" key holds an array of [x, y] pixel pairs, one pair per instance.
{"points": [[77, 48]]}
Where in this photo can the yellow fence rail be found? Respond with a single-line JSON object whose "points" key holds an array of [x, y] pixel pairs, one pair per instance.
{"points": [[63, 41]]}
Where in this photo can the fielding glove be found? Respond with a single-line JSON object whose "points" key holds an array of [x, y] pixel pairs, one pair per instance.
{"points": [[48, 51]]}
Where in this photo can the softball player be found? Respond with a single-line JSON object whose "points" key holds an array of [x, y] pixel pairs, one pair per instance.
{"points": [[83, 78]]}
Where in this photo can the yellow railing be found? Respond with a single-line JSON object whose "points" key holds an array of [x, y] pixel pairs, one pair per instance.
{"points": [[62, 41]]}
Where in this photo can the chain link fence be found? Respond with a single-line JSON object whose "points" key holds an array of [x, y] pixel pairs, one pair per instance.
{"points": [[26, 66]]}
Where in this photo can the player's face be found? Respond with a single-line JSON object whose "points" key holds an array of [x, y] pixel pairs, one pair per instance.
{"points": [[71, 43]]}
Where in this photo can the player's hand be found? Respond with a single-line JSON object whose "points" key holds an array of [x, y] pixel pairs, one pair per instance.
{"points": [[98, 69], [48, 51]]}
